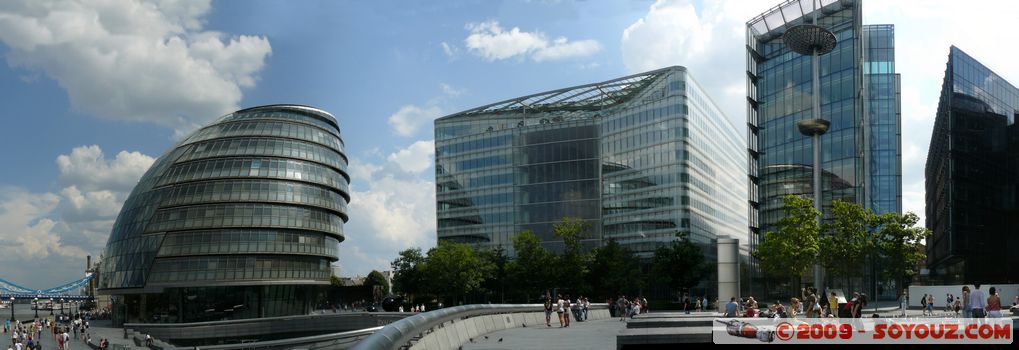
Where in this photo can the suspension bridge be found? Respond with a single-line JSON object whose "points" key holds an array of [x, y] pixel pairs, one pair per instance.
{"points": [[67, 291]]}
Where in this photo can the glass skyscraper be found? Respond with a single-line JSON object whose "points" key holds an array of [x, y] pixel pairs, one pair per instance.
{"points": [[860, 153], [639, 158], [973, 177], [241, 219]]}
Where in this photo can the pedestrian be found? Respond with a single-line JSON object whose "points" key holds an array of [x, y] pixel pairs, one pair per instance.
{"points": [[957, 305], [810, 300], [559, 310], [548, 309], [621, 308], [923, 304], [966, 311], [698, 305], [731, 308], [977, 302], [930, 305], [993, 304], [636, 308], [587, 305], [794, 307], [567, 309]]}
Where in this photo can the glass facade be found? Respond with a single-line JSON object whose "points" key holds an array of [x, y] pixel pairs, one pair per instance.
{"points": [[859, 93], [250, 207], [973, 177], [640, 158]]}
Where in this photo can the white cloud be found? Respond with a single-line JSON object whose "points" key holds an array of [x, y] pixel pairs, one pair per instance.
{"points": [[493, 43], [132, 60], [30, 241], [416, 158], [88, 168], [410, 118], [451, 91], [392, 208], [451, 51]]}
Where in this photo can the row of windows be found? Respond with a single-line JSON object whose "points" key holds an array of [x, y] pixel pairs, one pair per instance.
{"points": [[245, 215], [484, 162], [241, 242], [559, 191], [640, 138], [559, 151], [556, 211], [563, 171], [268, 128], [490, 180], [265, 147], [646, 116], [475, 201], [284, 115], [560, 134], [225, 268], [473, 145], [480, 219], [254, 167], [248, 190]]}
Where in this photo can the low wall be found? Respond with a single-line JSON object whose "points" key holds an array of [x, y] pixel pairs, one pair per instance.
{"points": [[1005, 291], [451, 335]]}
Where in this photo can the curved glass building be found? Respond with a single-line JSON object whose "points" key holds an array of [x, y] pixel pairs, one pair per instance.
{"points": [[239, 220]]}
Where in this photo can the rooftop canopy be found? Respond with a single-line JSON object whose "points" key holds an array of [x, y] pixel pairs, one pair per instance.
{"points": [[791, 13], [584, 97]]}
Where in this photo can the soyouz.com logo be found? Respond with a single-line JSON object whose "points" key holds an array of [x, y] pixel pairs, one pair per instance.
{"points": [[863, 331]]}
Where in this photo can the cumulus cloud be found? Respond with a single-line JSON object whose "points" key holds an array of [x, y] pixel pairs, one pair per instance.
{"points": [[493, 43], [55, 231], [392, 208], [410, 118], [132, 60], [416, 158]]}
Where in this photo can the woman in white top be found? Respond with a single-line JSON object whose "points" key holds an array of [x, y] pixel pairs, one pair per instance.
{"points": [[559, 310]]}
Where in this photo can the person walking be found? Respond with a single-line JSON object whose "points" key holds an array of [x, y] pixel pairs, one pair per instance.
{"points": [[567, 307], [977, 302], [923, 305], [699, 307], [559, 310], [930, 304], [957, 305], [621, 307], [548, 309], [966, 311], [993, 304]]}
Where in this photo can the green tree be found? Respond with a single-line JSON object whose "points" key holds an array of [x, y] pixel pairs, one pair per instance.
{"points": [[335, 281], [574, 262], [495, 281], [899, 245], [532, 271], [409, 274], [377, 283], [792, 249], [614, 269], [848, 241], [680, 265], [454, 270]]}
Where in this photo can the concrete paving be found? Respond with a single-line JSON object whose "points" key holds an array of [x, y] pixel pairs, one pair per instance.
{"points": [[97, 329], [590, 335]]}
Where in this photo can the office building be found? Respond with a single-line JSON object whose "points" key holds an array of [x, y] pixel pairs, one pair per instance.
{"points": [[638, 158], [859, 92], [241, 219], [972, 177]]}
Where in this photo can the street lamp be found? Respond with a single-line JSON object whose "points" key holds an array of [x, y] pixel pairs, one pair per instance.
{"points": [[61, 306], [814, 40], [51, 306], [36, 302], [12, 309]]}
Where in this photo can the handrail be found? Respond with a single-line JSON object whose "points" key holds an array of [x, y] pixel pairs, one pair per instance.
{"points": [[399, 333], [295, 341], [256, 320]]}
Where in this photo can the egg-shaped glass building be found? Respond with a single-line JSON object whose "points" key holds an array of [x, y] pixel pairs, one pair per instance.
{"points": [[241, 219]]}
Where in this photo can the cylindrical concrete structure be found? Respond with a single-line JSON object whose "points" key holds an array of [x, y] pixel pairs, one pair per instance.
{"points": [[728, 271]]}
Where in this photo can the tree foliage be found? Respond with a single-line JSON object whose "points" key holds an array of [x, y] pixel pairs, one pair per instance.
{"points": [[495, 281], [454, 270], [614, 270], [533, 270], [681, 264], [409, 273], [574, 262], [793, 248], [848, 240], [377, 283], [899, 245]]}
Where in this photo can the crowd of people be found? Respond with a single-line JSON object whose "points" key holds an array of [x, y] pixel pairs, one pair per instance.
{"points": [[565, 308], [973, 303], [810, 304], [28, 334]]}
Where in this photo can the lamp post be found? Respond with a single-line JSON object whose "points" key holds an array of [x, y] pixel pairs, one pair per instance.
{"points": [[36, 302], [61, 306], [51, 306], [12, 309], [814, 40]]}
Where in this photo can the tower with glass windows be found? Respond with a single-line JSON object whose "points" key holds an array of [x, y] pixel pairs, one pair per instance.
{"points": [[241, 219], [639, 158], [859, 90]]}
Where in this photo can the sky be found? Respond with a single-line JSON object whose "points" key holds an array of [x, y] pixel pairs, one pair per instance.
{"points": [[93, 91]]}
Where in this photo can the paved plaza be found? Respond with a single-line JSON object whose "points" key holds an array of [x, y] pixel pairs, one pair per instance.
{"points": [[590, 335]]}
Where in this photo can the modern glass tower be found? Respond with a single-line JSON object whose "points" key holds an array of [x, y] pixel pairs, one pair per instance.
{"points": [[859, 89], [973, 177], [640, 158], [239, 220]]}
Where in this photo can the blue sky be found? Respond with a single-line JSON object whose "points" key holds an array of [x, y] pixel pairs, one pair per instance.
{"points": [[94, 90]]}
